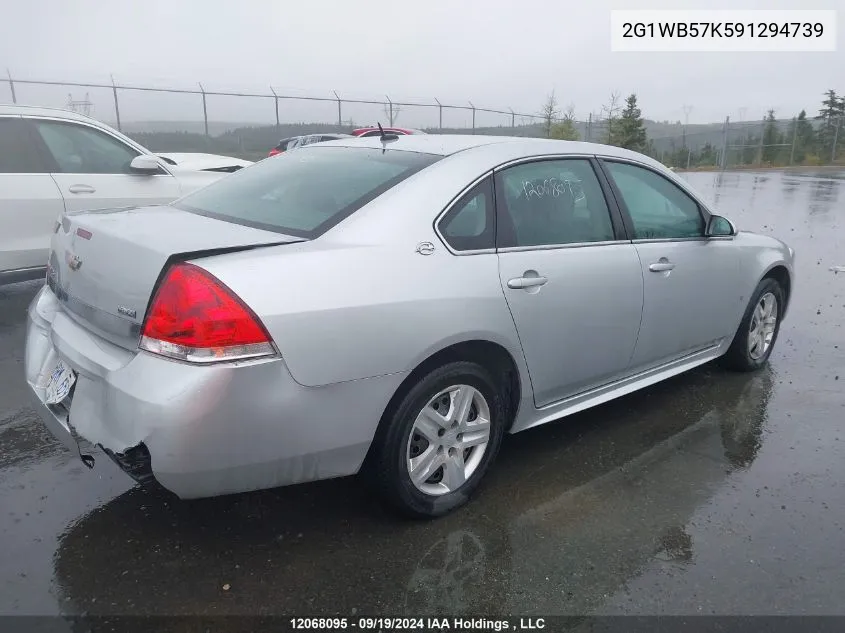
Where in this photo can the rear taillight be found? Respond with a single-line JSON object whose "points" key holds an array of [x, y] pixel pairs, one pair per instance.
{"points": [[194, 317]]}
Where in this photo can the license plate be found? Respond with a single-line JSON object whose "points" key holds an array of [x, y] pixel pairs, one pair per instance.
{"points": [[60, 383]]}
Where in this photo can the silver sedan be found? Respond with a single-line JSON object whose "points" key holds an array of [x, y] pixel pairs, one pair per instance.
{"points": [[387, 306]]}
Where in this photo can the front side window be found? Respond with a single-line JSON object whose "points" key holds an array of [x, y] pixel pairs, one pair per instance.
{"points": [[470, 223], [79, 149], [552, 202], [307, 192], [659, 209]]}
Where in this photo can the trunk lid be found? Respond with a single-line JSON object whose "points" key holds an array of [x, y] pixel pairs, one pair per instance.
{"points": [[104, 265]]}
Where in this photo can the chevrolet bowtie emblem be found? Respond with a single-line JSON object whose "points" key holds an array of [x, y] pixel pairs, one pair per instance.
{"points": [[73, 261]]}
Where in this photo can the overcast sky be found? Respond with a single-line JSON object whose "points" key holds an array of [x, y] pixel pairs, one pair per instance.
{"points": [[496, 53]]}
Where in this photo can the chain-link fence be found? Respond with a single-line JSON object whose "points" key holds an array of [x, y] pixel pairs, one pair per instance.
{"points": [[767, 143], [247, 123]]}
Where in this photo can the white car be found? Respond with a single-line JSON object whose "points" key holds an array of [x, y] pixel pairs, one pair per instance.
{"points": [[52, 161], [196, 161]]}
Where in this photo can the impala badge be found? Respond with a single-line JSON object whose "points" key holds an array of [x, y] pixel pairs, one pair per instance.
{"points": [[425, 248], [73, 261], [129, 312]]}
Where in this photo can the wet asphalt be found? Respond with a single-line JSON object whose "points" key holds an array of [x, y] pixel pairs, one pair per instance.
{"points": [[711, 493]]}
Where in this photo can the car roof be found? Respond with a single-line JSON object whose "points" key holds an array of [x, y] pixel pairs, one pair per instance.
{"points": [[517, 146], [27, 110]]}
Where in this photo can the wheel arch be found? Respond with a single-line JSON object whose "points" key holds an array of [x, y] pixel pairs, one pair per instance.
{"points": [[781, 274], [483, 351]]}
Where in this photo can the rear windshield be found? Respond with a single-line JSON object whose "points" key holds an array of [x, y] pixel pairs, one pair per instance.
{"points": [[306, 192]]}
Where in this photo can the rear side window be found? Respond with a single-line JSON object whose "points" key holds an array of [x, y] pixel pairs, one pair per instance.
{"points": [[307, 192], [17, 154], [552, 202], [470, 223]]}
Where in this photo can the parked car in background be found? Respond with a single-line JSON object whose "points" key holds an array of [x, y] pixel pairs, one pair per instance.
{"points": [[308, 139], [376, 131], [52, 161], [389, 307], [204, 162]]}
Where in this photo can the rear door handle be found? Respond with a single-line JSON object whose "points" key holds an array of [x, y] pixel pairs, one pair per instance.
{"points": [[519, 283], [81, 189], [661, 266]]}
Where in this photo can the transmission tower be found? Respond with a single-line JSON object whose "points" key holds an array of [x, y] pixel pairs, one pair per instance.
{"points": [[83, 106]]}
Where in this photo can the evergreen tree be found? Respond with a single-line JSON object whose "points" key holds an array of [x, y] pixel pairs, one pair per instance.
{"points": [[565, 131], [771, 138], [830, 114], [629, 131], [707, 155], [801, 130], [749, 149]]}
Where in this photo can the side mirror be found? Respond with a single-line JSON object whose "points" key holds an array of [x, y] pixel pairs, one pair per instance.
{"points": [[146, 164], [720, 227]]}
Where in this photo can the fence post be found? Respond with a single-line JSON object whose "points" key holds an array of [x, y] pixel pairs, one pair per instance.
{"points": [[724, 157], [276, 100], [513, 119], [794, 138], [835, 138], [339, 110], [473, 116], [439, 111], [390, 104], [12, 86], [589, 127], [204, 110], [116, 106], [760, 149], [689, 157]]}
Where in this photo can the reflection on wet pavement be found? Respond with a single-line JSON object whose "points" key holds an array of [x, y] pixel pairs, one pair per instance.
{"points": [[711, 493]]}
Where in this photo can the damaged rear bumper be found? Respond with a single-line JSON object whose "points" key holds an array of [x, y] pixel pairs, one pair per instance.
{"points": [[200, 431]]}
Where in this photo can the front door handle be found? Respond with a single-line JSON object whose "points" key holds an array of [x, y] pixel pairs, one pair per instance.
{"points": [[520, 283], [81, 189], [662, 265]]}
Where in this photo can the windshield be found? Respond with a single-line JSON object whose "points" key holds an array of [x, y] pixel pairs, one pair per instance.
{"points": [[306, 192]]}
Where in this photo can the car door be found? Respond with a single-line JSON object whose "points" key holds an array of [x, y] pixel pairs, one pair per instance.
{"points": [[91, 167], [690, 282], [30, 203], [571, 278]]}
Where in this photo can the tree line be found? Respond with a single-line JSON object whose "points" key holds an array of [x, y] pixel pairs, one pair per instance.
{"points": [[803, 140]]}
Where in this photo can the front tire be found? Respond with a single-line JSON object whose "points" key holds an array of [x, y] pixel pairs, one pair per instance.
{"points": [[758, 331], [438, 443]]}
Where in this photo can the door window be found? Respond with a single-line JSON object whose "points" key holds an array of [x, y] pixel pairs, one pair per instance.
{"points": [[659, 209], [470, 223], [17, 155], [79, 149], [552, 202]]}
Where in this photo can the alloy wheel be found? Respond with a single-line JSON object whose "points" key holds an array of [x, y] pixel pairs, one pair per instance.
{"points": [[448, 440], [762, 328]]}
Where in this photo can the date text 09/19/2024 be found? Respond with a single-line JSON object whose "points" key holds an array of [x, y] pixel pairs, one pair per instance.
{"points": [[418, 624]]}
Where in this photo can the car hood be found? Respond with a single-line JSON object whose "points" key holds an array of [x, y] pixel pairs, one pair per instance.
{"points": [[201, 162]]}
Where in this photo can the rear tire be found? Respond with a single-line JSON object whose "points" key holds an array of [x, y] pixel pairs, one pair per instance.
{"points": [[758, 331], [438, 442]]}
